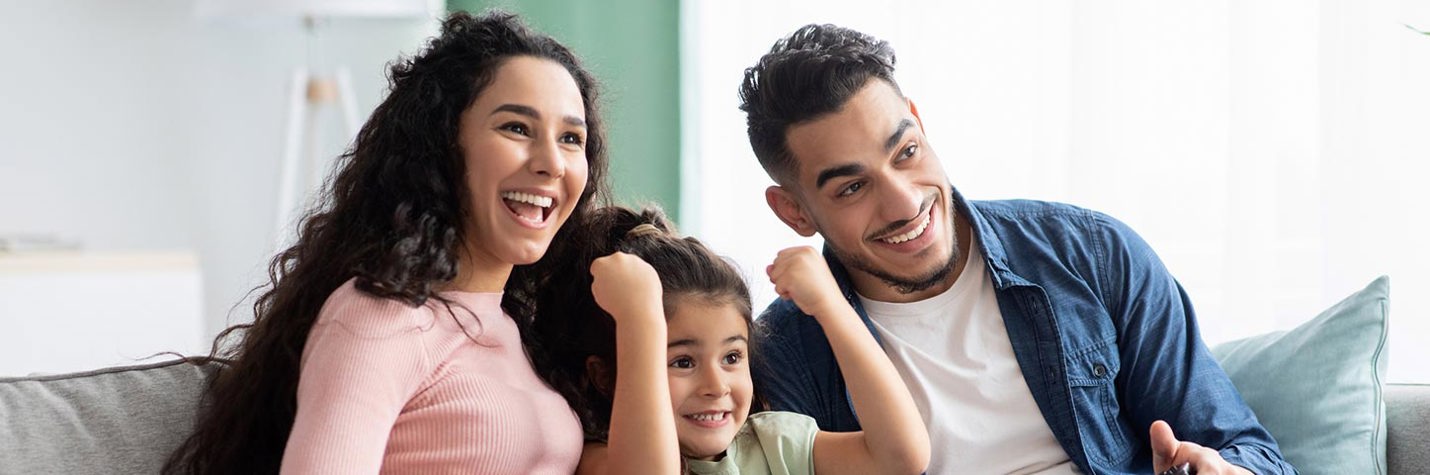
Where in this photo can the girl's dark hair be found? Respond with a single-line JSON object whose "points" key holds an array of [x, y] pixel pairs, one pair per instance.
{"points": [[569, 313], [812, 72], [392, 217]]}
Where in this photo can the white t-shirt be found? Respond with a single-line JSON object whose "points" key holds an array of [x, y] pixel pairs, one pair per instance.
{"points": [[952, 351]]}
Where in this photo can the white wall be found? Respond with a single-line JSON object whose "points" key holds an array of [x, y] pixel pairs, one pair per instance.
{"points": [[136, 126], [1272, 151]]}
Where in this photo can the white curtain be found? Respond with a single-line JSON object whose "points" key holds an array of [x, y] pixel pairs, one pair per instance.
{"points": [[1271, 151]]}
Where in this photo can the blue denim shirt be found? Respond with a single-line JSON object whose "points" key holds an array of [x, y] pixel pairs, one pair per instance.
{"points": [[1106, 339]]}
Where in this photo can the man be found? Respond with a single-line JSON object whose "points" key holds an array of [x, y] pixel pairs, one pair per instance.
{"points": [[1035, 337]]}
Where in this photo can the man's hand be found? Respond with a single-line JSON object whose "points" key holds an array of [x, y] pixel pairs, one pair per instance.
{"points": [[628, 288], [801, 276], [1168, 452]]}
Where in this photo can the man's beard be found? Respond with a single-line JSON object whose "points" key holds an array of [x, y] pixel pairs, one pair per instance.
{"points": [[906, 285]]}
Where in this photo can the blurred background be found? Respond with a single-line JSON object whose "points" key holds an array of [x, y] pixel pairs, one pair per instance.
{"points": [[1272, 151]]}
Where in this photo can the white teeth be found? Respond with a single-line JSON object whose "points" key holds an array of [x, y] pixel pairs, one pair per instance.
{"points": [[528, 198], [919, 231], [708, 417]]}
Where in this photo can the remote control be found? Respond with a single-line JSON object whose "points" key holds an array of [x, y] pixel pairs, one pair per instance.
{"points": [[1183, 469]]}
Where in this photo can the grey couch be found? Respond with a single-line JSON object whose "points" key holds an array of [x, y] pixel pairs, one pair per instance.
{"points": [[123, 420], [127, 420]]}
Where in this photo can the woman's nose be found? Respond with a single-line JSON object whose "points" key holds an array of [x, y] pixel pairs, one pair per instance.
{"points": [[546, 159]]}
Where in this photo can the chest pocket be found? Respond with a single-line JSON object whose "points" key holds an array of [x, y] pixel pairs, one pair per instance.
{"points": [[1091, 375]]}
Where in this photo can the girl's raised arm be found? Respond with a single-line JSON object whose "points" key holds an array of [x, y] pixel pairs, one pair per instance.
{"points": [[894, 439], [642, 435]]}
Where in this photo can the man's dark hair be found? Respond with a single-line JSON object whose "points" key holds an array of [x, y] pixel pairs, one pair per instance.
{"points": [[812, 72]]}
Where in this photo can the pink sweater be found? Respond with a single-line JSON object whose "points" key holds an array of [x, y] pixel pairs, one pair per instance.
{"points": [[393, 389]]}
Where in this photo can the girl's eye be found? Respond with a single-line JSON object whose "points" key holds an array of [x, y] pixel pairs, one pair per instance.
{"points": [[516, 128], [733, 358], [851, 188], [682, 363], [573, 139], [909, 151]]}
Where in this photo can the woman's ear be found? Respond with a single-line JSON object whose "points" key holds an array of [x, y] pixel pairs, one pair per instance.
{"points": [[601, 375]]}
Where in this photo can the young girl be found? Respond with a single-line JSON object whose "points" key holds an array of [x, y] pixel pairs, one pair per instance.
{"points": [[664, 370], [390, 338]]}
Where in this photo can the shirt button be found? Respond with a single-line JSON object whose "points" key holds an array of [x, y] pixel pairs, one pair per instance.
{"points": [[1098, 370]]}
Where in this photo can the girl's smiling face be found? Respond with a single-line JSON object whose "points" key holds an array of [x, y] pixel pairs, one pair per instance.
{"points": [[707, 361]]}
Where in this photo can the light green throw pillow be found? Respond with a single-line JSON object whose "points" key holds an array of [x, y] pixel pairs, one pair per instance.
{"points": [[1318, 387]]}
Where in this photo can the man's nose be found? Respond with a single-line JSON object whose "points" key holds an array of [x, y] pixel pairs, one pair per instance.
{"points": [[903, 200]]}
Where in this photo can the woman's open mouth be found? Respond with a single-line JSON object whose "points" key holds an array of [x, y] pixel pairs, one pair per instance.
{"points": [[530, 209]]}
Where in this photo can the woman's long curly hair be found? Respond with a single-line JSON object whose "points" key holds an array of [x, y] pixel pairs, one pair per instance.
{"points": [[391, 217]]}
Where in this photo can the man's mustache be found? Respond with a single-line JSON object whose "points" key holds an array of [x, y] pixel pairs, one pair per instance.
{"points": [[894, 226]]}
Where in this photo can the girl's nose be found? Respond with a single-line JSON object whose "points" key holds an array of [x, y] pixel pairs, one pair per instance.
{"points": [[714, 383]]}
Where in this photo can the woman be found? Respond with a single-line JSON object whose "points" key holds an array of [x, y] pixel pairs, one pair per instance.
{"points": [[391, 335]]}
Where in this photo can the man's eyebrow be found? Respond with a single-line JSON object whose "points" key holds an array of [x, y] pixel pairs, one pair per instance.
{"points": [[532, 113], [836, 172], [898, 134]]}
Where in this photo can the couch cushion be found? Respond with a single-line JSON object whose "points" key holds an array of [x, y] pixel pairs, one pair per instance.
{"points": [[115, 420], [1407, 421], [1318, 387]]}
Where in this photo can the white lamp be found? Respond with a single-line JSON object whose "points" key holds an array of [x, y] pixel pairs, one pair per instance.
{"points": [[308, 92]]}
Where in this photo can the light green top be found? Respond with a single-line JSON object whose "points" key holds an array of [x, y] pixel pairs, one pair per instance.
{"points": [[775, 443]]}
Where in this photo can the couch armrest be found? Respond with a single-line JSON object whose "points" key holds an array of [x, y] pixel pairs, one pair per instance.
{"points": [[1407, 412]]}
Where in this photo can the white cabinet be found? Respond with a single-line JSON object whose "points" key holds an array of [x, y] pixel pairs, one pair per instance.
{"points": [[72, 311]]}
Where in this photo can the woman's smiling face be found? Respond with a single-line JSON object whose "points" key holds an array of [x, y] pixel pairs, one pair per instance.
{"points": [[523, 141]]}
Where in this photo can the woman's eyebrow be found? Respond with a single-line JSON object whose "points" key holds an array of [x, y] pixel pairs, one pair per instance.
{"points": [[532, 113], [518, 109]]}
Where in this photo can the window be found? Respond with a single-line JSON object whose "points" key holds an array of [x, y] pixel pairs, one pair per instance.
{"points": [[1271, 152]]}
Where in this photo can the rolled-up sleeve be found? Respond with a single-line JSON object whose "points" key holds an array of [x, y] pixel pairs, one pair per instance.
{"points": [[1168, 372]]}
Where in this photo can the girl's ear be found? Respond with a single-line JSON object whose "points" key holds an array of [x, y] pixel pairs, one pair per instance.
{"points": [[601, 375]]}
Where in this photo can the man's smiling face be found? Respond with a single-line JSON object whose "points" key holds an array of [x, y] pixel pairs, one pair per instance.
{"points": [[867, 181]]}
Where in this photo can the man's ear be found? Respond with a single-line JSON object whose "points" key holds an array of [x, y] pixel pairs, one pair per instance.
{"points": [[601, 375], [915, 110], [788, 209]]}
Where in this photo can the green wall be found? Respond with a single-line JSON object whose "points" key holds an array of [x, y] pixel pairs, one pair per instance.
{"points": [[633, 48]]}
